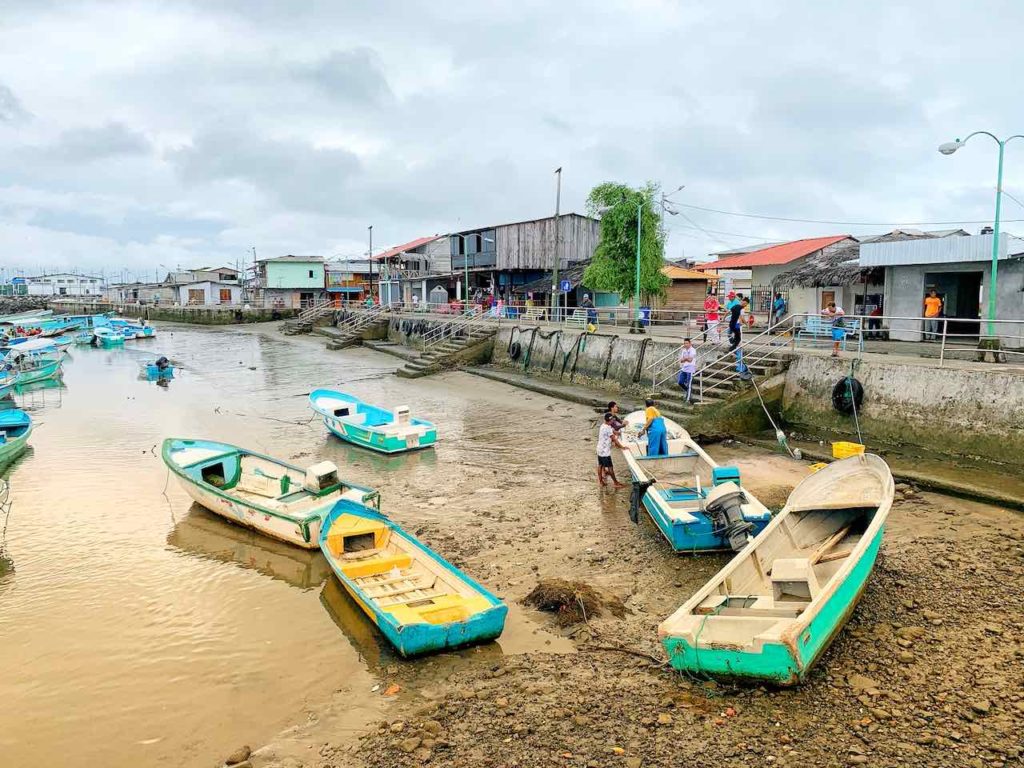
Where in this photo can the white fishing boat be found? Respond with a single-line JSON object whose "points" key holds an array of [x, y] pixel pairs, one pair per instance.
{"points": [[697, 504], [278, 499], [774, 609]]}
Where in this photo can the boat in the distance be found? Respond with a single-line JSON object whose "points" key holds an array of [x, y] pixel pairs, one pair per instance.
{"points": [[108, 337], [278, 499], [698, 505], [419, 601], [774, 609], [370, 426], [15, 429]]}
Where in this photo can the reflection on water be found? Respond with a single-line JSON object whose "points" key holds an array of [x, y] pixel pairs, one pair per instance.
{"points": [[141, 631], [203, 534]]}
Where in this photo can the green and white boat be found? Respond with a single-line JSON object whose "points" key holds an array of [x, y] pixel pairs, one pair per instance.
{"points": [[15, 429], [277, 499], [774, 609], [369, 426]]}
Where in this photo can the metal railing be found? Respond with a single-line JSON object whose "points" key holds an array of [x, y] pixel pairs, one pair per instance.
{"points": [[941, 337], [733, 364], [439, 333]]}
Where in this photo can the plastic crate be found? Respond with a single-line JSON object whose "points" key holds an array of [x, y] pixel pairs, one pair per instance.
{"points": [[844, 450]]}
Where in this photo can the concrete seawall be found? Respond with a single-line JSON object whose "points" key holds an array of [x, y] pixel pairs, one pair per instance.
{"points": [[193, 315], [968, 412]]}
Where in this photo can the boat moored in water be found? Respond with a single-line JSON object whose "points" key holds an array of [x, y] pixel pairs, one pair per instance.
{"points": [[15, 429], [698, 505], [419, 601], [773, 610], [370, 426], [278, 499]]}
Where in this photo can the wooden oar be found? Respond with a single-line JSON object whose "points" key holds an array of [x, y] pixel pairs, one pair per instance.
{"points": [[832, 540]]}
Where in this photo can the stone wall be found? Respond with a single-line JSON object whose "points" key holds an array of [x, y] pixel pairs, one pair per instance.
{"points": [[192, 315], [951, 411]]}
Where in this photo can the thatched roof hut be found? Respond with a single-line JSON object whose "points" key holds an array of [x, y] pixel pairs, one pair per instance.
{"points": [[841, 266]]}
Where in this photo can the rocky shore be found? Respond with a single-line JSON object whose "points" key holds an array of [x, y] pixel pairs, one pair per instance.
{"points": [[930, 669], [12, 305]]}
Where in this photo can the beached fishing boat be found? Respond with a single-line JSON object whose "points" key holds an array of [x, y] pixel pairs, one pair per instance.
{"points": [[161, 368], [31, 368], [84, 337], [774, 609], [698, 505], [15, 428], [280, 500], [419, 601], [369, 426]]}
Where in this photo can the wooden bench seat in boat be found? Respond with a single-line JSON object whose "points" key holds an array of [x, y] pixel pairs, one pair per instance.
{"points": [[437, 609], [378, 564]]}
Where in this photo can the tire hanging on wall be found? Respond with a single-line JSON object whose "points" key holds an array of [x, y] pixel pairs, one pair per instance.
{"points": [[515, 350], [847, 395]]}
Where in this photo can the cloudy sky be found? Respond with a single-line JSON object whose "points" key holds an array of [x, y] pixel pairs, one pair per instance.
{"points": [[136, 136]]}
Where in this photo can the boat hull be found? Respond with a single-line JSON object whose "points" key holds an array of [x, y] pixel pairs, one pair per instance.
{"points": [[698, 536], [783, 663], [14, 447], [418, 638], [305, 535], [46, 370], [378, 441]]}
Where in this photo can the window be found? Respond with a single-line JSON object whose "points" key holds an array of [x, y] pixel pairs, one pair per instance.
{"points": [[311, 273], [63, 291], [225, 295]]}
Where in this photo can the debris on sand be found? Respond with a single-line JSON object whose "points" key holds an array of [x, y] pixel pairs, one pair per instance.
{"points": [[572, 601]]}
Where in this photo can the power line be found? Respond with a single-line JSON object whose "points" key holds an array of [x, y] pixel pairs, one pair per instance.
{"points": [[730, 234], [837, 223]]}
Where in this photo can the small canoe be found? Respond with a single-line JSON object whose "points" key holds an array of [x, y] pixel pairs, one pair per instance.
{"points": [[697, 505], [277, 499], [15, 428], [774, 609], [420, 602], [369, 426]]}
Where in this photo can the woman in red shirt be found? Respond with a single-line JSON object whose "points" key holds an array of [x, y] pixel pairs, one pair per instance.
{"points": [[711, 307]]}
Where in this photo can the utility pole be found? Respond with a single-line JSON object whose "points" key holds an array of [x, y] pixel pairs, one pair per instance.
{"points": [[554, 271], [370, 229]]}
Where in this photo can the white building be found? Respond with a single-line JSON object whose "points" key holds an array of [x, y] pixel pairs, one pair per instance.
{"points": [[209, 293], [66, 284]]}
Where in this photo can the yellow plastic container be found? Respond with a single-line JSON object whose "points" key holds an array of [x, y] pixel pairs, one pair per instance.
{"points": [[820, 465], [844, 450]]}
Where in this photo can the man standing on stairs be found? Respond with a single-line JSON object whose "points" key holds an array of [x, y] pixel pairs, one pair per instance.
{"points": [[687, 368]]}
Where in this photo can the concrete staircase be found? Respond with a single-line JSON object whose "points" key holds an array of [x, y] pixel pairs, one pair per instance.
{"points": [[303, 322], [350, 330], [443, 355]]}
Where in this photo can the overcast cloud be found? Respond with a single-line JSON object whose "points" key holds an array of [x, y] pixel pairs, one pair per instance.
{"points": [[141, 135]]}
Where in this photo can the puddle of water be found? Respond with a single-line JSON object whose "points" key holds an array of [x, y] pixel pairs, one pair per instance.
{"points": [[137, 630]]}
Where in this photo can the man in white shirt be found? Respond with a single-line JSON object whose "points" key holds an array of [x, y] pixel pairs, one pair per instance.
{"points": [[835, 313], [606, 438], [687, 367]]}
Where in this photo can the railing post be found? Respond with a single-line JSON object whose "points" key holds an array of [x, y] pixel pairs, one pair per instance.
{"points": [[942, 350]]}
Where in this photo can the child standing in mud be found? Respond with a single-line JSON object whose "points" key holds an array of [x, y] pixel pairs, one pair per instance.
{"points": [[606, 438]]}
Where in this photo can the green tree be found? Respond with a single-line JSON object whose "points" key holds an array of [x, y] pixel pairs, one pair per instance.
{"points": [[614, 265]]}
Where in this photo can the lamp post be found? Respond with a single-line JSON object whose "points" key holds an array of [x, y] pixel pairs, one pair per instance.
{"points": [[948, 149]]}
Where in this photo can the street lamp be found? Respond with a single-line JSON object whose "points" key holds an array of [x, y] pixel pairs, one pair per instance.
{"points": [[638, 324], [465, 262], [948, 149]]}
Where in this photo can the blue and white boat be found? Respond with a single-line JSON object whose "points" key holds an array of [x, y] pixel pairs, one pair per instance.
{"points": [[772, 611], [161, 368], [108, 337], [697, 505], [418, 600], [15, 428], [370, 426]]}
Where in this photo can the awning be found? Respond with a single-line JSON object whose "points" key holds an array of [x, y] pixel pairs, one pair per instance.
{"points": [[346, 289]]}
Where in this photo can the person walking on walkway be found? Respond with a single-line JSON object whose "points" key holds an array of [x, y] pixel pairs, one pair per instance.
{"points": [[654, 427], [711, 319], [778, 309], [932, 312], [606, 438], [687, 368], [837, 314]]}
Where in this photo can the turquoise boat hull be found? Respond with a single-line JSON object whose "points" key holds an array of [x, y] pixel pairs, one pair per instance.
{"points": [[375, 428], [15, 430], [699, 536], [416, 639], [46, 369], [778, 662]]}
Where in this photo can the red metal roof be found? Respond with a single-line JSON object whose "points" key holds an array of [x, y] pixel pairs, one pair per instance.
{"points": [[406, 247], [776, 254]]}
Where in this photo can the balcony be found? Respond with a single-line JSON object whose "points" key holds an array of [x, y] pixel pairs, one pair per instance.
{"points": [[475, 260]]}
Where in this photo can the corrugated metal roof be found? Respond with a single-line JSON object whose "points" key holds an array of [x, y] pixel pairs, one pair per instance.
{"points": [[777, 254], [940, 250], [298, 259], [679, 273], [406, 247]]}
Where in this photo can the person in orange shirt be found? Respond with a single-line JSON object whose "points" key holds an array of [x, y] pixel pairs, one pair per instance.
{"points": [[932, 312]]}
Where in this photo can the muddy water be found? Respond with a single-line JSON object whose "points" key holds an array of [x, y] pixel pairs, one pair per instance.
{"points": [[138, 630]]}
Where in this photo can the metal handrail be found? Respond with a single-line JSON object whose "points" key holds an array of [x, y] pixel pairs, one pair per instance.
{"points": [[760, 347], [439, 333], [660, 365]]}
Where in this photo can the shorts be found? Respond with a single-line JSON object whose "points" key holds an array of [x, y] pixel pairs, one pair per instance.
{"points": [[604, 461], [838, 334]]}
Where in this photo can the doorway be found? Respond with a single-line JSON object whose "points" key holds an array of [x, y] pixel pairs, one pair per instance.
{"points": [[961, 299]]}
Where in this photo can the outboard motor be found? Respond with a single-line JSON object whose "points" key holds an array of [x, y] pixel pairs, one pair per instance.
{"points": [[636, 496], [723, 507], [162, 363]]}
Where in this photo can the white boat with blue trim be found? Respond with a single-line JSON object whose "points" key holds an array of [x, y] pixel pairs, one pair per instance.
{"points": [[371, 426]]}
